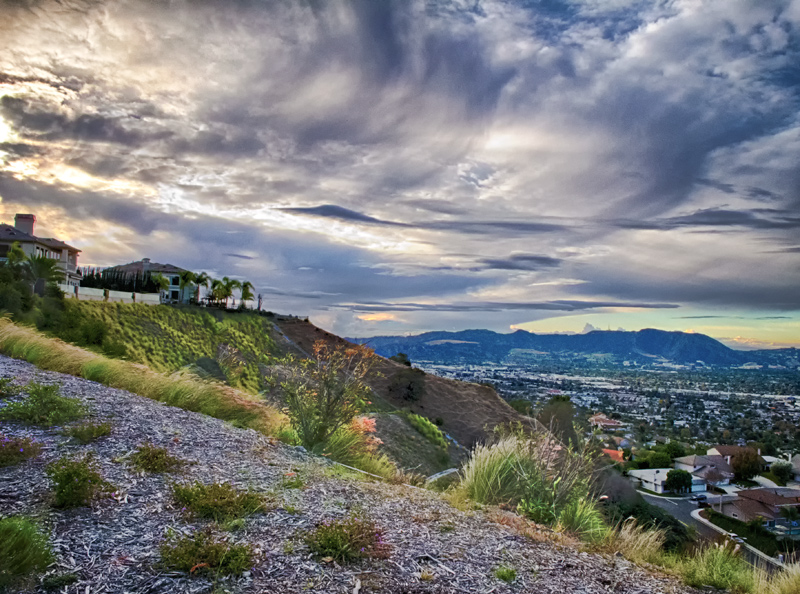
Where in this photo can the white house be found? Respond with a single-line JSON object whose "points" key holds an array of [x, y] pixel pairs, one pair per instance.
{"points": [[168, 271], [653, 479], [712, 469]]}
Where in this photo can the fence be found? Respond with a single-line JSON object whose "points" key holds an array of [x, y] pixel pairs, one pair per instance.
{"points": [[87, 294]]}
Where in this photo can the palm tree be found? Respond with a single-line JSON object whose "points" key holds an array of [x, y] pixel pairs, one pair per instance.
{"points": [[42, 271], [161, 281], [229, 285], [247, 293], [217, 290], [188, 278], [201, 279]]}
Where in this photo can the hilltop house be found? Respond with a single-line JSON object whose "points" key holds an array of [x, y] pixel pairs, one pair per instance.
{"points": [[170, 272], [714, 470], [767, 504], [22, 232]]}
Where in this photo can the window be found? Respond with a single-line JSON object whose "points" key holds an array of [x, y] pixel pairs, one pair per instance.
{"points": [[173, 294], [176, 280]]}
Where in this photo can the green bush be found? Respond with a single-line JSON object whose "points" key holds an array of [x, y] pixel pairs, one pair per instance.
{"points": [[76, 481], [14, 450], [505, 573], [8, 388], [44, 406], [430, 431], [783, 471], [347, 540], [205, 552], [581, 517], [353, 448], [220, 502], [24, 551], [93, 332], [87, 432], [150, 458]]}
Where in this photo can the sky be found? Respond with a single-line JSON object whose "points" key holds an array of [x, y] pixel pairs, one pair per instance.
{"points": [[395, 167]]}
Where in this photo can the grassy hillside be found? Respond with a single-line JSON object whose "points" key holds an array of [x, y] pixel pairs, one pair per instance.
{"points": [[225, 346]]}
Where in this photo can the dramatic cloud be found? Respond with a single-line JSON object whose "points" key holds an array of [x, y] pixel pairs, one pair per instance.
{"points": [[412, 165]]}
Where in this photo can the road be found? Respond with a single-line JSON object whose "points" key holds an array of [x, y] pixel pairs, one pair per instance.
{"points": [[682, 510]]}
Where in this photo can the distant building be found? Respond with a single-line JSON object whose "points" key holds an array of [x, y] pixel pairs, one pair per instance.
{"points": [[22, 232], [713, 469], [730, 451], [767, 504], [653, 479], [172, 273], [602, 422]]}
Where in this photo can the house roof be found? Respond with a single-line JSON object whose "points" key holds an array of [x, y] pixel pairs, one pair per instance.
{"points": [[11, 233], [750, 509], [731, 450], [712, 461], [141, 267], [772, 496], [615, 455]]}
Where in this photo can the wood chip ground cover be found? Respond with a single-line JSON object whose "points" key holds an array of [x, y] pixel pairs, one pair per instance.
{"points": [[113, 547]]}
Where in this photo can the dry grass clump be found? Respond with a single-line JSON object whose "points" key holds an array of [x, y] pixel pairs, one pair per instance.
{"points": [[206, 552], [784, 582], [635, 542], [87, 431], [150, 458], [220, 502]]}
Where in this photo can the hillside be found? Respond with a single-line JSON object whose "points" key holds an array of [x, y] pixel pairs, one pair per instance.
{"points": [[479, 346], [467, 411], [429, 547]]}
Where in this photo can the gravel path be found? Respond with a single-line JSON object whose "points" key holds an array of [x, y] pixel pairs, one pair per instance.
{"points": [[113, 546]]}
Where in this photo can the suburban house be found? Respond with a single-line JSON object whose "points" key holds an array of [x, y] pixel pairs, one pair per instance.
{"points": [[172, 273], [715, 470], [22, 232], [604, 423], [653, 479], [730, 451], [767, 504]]}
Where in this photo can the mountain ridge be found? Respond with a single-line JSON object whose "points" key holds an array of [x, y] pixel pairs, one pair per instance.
{"points": [[641, 346]]}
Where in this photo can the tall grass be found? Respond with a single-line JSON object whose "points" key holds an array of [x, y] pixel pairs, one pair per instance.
{"points": [[720, 567], [181, 390], [635, 542], [548, 483], [350, 447]]}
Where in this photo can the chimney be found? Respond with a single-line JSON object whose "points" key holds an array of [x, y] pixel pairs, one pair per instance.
{"points": [[25, 222]]}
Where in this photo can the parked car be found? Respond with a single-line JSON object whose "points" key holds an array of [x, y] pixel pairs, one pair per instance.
{"points": [[699, 497]]}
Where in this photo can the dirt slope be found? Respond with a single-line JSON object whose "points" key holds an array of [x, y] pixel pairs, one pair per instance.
{"points": [[113, 547], [468, 411]]}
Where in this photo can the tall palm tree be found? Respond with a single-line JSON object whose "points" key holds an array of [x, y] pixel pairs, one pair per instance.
{"points": [[188, 278], [247, 293], [229, 285], [217, 290], [201, 279]]}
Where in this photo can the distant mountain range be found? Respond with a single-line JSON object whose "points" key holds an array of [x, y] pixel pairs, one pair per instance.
{"points": [[643, 346]]}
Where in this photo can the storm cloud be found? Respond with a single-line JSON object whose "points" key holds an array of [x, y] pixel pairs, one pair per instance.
{"points": [[522, 159]]}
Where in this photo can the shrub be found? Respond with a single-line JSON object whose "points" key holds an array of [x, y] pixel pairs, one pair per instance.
{"points": [[77, 481], [408, 384], [149, 458], [582, 518], [349, 445], [93, 332], [8, 388], [347, 540], [44, 406], [14, 450], [205, 552], [24, 551], [782, 470], [220, 502], [505, 573], [325, 392], [88, 431], [428, 430]]}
